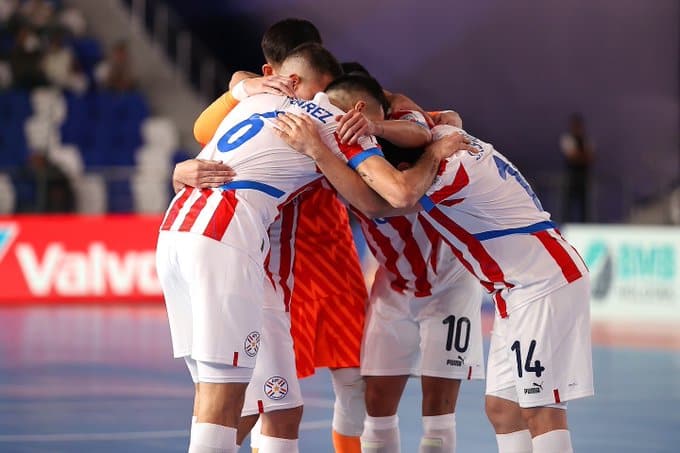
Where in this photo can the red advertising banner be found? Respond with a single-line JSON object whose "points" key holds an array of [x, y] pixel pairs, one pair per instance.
{"points": [[78, 259]]}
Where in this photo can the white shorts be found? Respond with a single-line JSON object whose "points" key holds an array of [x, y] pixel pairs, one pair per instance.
{"points": [[439, 335], [274, 385], [213, 294], [542, 350]]}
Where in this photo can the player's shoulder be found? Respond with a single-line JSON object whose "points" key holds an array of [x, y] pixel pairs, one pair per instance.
{"points": [[319, 108]]}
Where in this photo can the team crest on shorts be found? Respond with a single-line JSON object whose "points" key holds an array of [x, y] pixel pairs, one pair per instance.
{"points": [[252, 343], [276, 388]]}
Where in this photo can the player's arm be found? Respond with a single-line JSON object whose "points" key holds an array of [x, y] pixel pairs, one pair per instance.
{"points": [[201, 173], [247, 84], [206, 174], [376, 188], [450, 117], [403, 133]]}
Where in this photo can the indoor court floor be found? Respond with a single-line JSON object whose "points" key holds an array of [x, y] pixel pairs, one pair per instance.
{"points": [[101, 379]]}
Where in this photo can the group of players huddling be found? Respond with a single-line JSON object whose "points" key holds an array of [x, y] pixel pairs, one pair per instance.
{"points": [[263, 284]]}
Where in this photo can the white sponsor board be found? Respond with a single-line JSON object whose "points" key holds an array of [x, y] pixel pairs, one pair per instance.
{"points": [[634, 270]]}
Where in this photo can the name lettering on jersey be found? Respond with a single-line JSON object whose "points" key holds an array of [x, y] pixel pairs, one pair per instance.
{"points": [[476, 143], [313, 110]]}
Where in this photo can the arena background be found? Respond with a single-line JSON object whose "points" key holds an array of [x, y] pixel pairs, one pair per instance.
{"points": [[85, 361]]}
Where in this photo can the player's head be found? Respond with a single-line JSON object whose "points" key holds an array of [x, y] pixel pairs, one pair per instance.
{"points": [[360, 92], [400, 158], [355, 68], [312, 67], [284, 36]]}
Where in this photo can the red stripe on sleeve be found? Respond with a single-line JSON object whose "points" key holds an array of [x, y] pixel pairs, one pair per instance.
{"points": [[176, 207], [459, 181], [348, 150], [560, 255]]}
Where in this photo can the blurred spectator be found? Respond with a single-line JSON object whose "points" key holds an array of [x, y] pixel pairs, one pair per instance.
{"points": [[74, 21], [43, 187], [578, 151], [7, 9], [38, 13], [60, 65], [26, 60], [116, 72]]}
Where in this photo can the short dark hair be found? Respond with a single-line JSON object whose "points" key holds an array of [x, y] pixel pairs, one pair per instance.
{"points": [[396, 155], [356, 68], [366, 84], [286, 35], [318, 57]]}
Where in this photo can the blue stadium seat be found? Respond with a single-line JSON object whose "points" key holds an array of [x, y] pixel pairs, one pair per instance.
{"points": [[89, 53], [15, 107], [119, 196]]}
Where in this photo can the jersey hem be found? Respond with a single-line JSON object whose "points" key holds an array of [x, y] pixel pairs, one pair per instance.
{"points": [[540, 295]]}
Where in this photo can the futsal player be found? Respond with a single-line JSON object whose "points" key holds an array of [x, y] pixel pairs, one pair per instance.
{"points": [[321, 283], [480, 204]]}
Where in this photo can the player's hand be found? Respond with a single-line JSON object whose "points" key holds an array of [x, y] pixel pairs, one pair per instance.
{"points": [[449, 145], [448, 117], [201, 173], [300, 132], [273, 84], [353, 125], [400, 102]]}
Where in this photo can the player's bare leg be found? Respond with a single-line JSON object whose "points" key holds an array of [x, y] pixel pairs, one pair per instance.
{"points": [[218, 414], [194, 414], [439, 418], [512, 432], [549, 430], [245, 427], [381, 428], [280, 431], [349, 409]]}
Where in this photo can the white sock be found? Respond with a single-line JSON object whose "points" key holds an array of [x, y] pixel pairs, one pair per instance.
{"points": [[277, 445], [557, 441], [211, 438], [381, 435], [255, 434], [516, 442], [439, 434]]}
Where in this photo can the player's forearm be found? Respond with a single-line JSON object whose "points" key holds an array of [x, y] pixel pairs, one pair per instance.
{"points": [[239, 76], [402, 189], [405, 134], [350, 185], [209, 120]]}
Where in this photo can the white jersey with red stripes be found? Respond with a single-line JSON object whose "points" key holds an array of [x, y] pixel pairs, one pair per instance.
{"points": [[408, 247], [481, 205], [281, 258], [413, 253], [269, 172]]}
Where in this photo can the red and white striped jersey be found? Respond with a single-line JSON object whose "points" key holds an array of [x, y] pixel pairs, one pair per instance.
{"points": [[269, 172], [413, 253], [482, 206]]}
